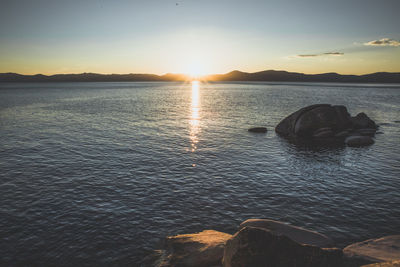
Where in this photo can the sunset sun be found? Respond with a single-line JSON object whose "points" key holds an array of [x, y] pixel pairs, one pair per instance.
{"points": [[196, 69]]}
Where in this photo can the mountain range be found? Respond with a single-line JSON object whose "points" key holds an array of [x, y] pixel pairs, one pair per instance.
{"points": [[262, 76]]}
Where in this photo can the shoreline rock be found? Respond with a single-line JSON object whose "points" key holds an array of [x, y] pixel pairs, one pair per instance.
{"points": [[375, 250], [298, 234], [258, 247], [263, 243], [197, 250]]}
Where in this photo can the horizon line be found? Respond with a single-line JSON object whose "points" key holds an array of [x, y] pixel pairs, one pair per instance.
{"points": [[196, 76]]}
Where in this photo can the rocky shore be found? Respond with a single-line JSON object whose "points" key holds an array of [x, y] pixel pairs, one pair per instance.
{"points": [[263, 243]]}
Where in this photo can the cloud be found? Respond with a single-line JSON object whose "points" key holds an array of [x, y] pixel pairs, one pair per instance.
{"points": [[308, 55], [334, 54], [320, 55], [383, 42]]}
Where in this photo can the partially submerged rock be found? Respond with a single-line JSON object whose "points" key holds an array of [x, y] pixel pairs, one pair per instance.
{"points": [[375, 250], [202, 249], [325, 122], [309, 120], [258, 247], [357, 141], [362, 121], [258, 130], [298, 234]]}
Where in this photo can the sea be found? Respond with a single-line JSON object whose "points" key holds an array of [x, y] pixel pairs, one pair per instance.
{"points": [[98, 174]]}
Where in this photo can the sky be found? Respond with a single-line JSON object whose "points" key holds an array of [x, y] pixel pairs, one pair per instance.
{"points": [[199, 37]]}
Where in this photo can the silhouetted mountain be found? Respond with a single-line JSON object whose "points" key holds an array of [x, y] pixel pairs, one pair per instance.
{"points": [[284, 76], [268, 75]]}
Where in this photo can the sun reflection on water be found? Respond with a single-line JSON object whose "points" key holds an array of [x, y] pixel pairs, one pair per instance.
{"points": [[195, 115]]}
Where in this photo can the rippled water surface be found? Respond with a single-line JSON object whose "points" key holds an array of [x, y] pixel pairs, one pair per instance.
{"points": [[99, 173]]}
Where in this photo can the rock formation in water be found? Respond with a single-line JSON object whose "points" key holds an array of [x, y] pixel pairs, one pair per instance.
{"points": [[258, 130], [327, 122]]}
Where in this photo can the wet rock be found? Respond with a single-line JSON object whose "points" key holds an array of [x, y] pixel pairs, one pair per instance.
{"points": [[202, 249], [375, 250], [258, 247], [298, 234], [363, 121], [357, 141], [258, 130]]}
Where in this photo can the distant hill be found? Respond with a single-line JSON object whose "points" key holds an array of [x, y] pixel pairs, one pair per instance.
{"points": [[268, 75], [284, 76]]}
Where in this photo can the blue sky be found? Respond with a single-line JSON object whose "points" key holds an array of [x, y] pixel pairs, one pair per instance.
{"points": [[199, 36]]}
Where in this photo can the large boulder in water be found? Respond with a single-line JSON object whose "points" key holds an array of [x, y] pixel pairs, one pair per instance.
{"points": [[258, 247], [322, 121]]}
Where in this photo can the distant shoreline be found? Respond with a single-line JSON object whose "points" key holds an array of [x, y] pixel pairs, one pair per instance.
{"points": [[234, 76]]}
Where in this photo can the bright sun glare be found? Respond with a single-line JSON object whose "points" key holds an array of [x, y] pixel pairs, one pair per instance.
{"points": [[196, 69]]}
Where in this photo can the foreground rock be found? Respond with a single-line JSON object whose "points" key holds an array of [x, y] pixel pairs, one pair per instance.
{"points": [[375, 250], [258, 247], [324, 121], [202, 249], [258, 130], [300, 235], [384, 264]]}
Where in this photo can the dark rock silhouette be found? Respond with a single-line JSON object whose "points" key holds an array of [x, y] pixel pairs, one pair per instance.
{"points": [[315, 119], [327, 122], [259, 247], [363, 121], [258, 130]]}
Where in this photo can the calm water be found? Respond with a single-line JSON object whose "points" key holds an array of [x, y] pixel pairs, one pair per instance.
{"points": [[99, 173]]}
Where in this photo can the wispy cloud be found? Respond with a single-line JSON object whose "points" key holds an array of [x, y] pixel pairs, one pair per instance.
{"points": [[321, 55], [308, 55], [334, 54], [383, 42]]}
